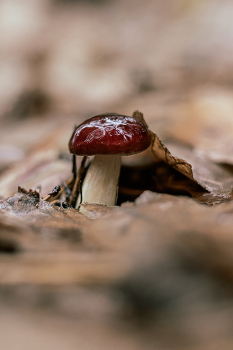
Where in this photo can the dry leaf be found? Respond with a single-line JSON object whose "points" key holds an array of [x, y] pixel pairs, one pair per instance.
{"points": [[216, 182]]}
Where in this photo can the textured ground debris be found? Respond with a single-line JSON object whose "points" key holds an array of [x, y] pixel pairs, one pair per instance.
{"points": [[150, 209], [140, 278]]}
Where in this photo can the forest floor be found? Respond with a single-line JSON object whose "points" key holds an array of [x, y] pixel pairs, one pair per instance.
{"points": [[156, 270]]}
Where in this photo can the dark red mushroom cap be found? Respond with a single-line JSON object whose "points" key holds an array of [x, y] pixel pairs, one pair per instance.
{"points": [[110, 134]]}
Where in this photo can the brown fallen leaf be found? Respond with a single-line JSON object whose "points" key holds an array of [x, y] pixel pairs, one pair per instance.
{"points": [[184, 174], [216, 182]]}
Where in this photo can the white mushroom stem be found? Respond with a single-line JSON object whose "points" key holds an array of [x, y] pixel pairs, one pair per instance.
{"points": [[101, 181]]}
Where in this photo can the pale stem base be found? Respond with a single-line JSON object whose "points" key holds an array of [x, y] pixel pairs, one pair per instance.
{"points": [[101, 181]]}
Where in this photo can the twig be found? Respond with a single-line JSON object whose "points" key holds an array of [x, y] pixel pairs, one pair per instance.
{"points": [[53, 193], [67, 191], [76, 187], [74, 167]]}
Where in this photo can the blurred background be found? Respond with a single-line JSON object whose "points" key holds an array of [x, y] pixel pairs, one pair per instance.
{"points": [[62, 61]]}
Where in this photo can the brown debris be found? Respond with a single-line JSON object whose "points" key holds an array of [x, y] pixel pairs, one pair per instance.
{"points": [[53, 193], [22, 202], [77, 183], [30, 192], [139, 116], [214, 183]]}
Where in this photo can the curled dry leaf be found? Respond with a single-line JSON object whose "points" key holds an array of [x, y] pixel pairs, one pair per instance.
{"points": [[160, 171], [162, 153], [215, 183], [217, 180]]}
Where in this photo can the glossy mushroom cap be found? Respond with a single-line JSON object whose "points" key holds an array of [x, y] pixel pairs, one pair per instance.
{"points": [[110, 134]]}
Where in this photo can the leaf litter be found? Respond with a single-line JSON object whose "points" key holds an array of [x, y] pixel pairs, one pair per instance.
{"points": [[62, 224], [156, 270], [146, 256]]}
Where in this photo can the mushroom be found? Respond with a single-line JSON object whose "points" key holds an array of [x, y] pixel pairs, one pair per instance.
{"points": [[107, 137]]}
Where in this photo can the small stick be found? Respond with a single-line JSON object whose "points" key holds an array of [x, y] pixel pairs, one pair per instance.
{"points": [[67, 191], [61, 204], [53, 193], [55, 201], [76, 187], [74, 167]]}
